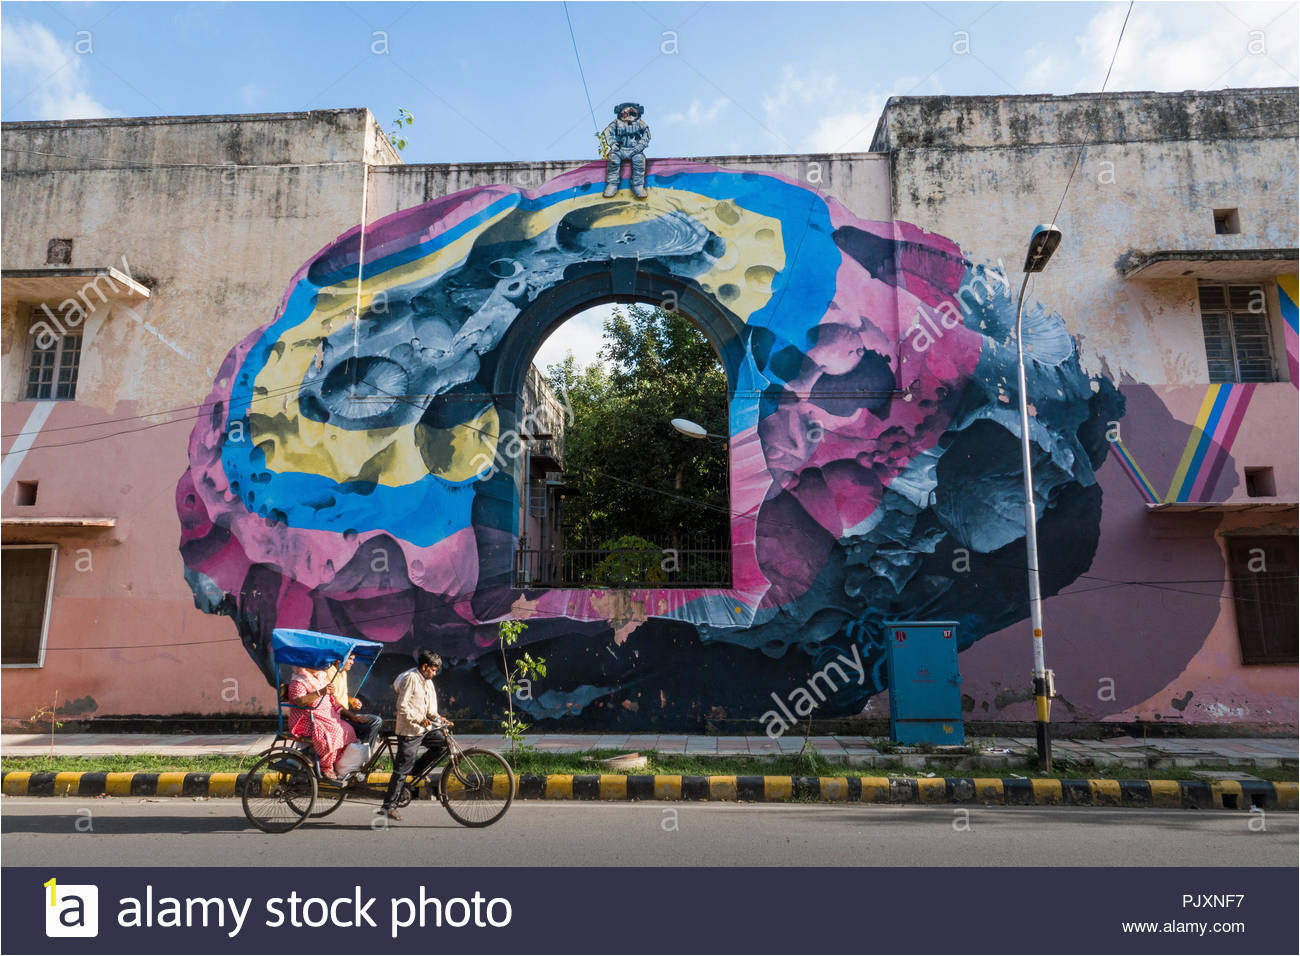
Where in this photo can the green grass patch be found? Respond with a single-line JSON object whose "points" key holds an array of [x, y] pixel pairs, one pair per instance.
{"points": [[540, 762]]}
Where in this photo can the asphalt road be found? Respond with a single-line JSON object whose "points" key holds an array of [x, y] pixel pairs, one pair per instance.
{"points": [[185, 832]]}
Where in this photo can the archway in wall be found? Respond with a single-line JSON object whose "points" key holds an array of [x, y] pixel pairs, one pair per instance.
{"points": [[611, 494]]}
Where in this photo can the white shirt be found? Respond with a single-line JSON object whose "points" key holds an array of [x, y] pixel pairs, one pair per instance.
{"points": [[417, 703]]}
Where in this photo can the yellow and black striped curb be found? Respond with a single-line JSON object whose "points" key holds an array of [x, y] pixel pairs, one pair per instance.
{"points": [[1191, 794]]}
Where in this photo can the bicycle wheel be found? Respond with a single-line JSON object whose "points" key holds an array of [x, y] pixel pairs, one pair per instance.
{"points": [[328, 799], [279, 791], [477, 787]]}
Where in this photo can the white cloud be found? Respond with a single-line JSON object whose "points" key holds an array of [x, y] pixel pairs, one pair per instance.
{"points": [[798, 88], [1041, 77], [816, 112], [697, 114], [251, 94], [1175, 47], [583, 335], [848, 132], [55, 74]]}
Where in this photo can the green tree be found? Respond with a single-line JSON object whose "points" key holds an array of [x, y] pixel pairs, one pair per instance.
{"points": [[633, 474]]}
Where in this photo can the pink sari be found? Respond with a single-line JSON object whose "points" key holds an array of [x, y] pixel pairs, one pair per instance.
{"points": [[330, 733]]}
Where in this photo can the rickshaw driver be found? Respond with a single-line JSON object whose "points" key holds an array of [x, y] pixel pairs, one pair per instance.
{"points": [[419, 727]]}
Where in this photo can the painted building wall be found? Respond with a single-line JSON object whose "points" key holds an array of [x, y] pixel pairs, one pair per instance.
{"points": [[873, 470], [1155, 169], [212, 213]]}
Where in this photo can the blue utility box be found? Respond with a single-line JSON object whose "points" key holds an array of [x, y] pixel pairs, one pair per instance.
{"points": [[924, 683]]}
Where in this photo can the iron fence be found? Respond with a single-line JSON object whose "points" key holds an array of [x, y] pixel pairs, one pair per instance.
{"points": [[687, 563]]}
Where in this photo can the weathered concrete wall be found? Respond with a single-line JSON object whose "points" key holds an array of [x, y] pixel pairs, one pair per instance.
{"points": [[270, 139], [1152, 169], [215, 230]]}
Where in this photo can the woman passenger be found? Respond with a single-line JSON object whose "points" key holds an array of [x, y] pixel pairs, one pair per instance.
{"points": [[317, 713]]}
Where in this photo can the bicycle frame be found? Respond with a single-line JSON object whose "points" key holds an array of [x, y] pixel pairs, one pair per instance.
{"points": [[359, 785]]}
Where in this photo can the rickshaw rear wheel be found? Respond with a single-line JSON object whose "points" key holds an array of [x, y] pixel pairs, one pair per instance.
{"points": [[328, 799], [477, 787], [279, 791]]}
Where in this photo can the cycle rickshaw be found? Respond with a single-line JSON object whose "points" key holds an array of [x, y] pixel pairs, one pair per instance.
{"points": [[286, 786]]}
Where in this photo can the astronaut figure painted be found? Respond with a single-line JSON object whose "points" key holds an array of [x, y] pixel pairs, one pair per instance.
{"points": [[627, 138]]}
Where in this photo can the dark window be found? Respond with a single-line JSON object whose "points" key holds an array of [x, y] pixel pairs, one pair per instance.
{"points": [[1226, 222], [25, 493], [1263, 573], [25, 576], [1234, 320], [52, 371], [1260, 483]]}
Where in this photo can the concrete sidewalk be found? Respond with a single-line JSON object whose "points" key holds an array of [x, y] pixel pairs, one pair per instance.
{"points": [[1130, 752]]}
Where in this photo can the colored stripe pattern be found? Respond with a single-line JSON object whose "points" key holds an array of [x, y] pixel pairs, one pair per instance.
{"points": [[1014, 791], [1134, 472], [1288, 297], [1208, 446]]}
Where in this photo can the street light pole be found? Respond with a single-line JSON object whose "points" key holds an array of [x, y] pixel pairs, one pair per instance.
{"points": [[1042, 244]]}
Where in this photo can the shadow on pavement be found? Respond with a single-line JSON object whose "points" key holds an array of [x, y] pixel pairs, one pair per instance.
{"points": [[105, 823]]}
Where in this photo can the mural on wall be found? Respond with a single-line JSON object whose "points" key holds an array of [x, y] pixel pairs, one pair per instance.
{"points": [[350, 479], [1288, 294]]}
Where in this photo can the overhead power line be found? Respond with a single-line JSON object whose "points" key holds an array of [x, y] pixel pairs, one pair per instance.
{"points": [[1084, 149], [594, 125]]}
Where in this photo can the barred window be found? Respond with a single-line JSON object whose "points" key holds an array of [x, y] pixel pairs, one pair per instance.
{"points": [[52, 366], [1234, 320]]}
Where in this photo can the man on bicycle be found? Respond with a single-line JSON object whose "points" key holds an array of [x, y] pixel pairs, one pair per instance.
{"points": [[419, 727]]}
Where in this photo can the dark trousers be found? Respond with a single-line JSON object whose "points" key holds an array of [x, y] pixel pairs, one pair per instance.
{"points": [[368, 728], [410, 760]]}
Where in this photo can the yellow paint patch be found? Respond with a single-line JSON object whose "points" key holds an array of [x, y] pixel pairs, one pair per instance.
{"points": [[1046, 791], [559, 786], [932, 789], [722, 787], [15, 784], [834, 788], [293, 442], [223, 784], [1288, 795], [1105, 793], [170, 784], [1166, 793], [989, 789], [1221, 788], [668, 787], [613, 786], [501, 785], [66, 784], [875, 790], [118, 784], [777, 788]]}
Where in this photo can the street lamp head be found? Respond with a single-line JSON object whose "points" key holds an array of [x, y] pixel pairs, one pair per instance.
{"points": [[689, 428], [1042, 244]]}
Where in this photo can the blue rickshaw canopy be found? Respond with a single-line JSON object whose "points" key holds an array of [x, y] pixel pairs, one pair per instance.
{"points": [[316, 650]]}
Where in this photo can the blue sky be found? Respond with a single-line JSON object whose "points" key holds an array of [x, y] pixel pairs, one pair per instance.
{"points": [[498, 81]]}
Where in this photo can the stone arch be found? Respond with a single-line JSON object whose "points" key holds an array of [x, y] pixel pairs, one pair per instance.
{"points": [[620, 280]]}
